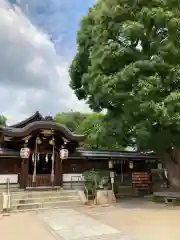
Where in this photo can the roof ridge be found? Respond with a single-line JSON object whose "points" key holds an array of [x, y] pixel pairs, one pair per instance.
{"points": [[36, 114]]}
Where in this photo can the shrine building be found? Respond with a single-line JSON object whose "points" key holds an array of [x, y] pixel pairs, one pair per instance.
{"points": [[38, 152]]}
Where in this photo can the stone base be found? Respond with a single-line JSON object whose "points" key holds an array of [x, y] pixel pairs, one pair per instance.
{"points": [[104, 197]]}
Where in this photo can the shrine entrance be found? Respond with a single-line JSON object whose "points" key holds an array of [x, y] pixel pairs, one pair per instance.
{"points": [[44, 165], [48, 144], [45, 172]]}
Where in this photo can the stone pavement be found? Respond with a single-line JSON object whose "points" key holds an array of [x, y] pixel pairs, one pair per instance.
{"points": [[22, 226], [68, 224]]}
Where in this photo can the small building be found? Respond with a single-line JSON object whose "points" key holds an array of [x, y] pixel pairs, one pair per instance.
{"points": [[44, 165]]}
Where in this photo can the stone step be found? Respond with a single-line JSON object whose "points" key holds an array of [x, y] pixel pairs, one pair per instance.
{"points": [[24, 194], [44, 199], [73, 185], [45, 205], [27, 200], [13, 187], [43, 188]]}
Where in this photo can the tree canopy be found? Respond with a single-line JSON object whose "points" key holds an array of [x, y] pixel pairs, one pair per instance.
{"points": [[128, 62], [70, 119], [98, 135]]}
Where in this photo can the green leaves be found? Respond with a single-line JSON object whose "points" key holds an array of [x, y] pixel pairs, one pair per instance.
{"points": [[92, 125], [70, 119], [3, 120], [128, 62]]}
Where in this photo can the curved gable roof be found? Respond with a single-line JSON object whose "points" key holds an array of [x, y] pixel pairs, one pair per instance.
{"points": [[38, 125], [35, 117]]}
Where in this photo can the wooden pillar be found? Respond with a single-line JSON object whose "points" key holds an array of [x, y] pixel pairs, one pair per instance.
{"points": [[58, 171], [24, 173]]}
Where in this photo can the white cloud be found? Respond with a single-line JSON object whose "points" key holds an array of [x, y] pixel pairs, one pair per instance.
{"points": [[32, 76]]}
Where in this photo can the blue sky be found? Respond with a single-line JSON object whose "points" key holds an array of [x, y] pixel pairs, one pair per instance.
{"points": [[59, 19], [38, 43]]}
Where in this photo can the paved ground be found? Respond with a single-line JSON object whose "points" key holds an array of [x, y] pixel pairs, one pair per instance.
{"points": [[141, 219], [68, 224]]}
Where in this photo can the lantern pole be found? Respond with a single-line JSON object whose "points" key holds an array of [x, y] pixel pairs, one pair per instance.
{"points": [[111, 174]]}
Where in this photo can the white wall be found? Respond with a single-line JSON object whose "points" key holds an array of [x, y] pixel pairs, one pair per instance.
{"points": [[74, 177], [13, 178]]}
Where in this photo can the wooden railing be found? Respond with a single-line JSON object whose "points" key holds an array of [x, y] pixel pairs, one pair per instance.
{"points": [[41, 180]]}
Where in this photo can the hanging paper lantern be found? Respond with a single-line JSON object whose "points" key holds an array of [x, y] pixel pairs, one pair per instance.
{"points": [[25, 153], [131, 165], [64, 153]]}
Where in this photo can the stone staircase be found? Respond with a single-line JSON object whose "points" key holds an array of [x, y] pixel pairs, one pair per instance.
{"points": [[3, 188], [36, 200]]}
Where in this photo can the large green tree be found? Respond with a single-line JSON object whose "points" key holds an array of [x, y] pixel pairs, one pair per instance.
{"points": [[128, 62]]}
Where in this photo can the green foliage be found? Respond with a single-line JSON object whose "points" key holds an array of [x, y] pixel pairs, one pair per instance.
{"points": [[94, 180], [92, 125], [128, 62], [70, 119], [3, 120]]}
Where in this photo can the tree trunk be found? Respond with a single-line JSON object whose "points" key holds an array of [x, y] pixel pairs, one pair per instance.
{"points": [[172, 163]]}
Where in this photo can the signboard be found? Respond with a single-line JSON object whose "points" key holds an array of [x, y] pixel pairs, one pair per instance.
{"points": [[110, 164], [25, 153], [112, 180], [111, 174], [160, 166]]}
